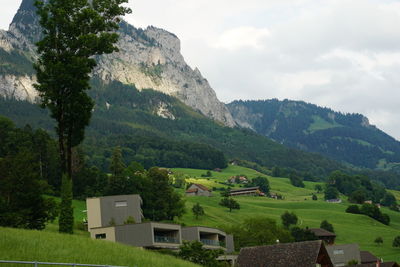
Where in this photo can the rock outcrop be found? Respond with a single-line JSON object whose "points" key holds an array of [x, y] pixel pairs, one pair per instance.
{"points": [[147, 58]]}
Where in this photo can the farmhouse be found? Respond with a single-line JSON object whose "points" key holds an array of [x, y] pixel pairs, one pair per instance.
{"points": [[342, 254], [335, 200], [299, 254], [324, 235], [198, 190], [246, 191]]}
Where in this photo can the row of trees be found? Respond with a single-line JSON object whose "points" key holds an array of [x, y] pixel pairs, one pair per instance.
{"points": [[27, 162]]}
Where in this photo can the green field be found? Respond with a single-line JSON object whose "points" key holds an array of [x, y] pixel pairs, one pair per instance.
{"points": [[29, 245], [48, 245], [350, 228]]}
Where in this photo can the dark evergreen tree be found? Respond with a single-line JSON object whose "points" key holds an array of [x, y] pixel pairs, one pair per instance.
{"points": [[161, 202], [73, 32]]}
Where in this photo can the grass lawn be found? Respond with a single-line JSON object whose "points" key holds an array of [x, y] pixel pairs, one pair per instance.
{"points": [[31, 245], [350, 228]]}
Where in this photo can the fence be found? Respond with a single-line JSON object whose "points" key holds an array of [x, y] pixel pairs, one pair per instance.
{"points": [[37, 263]]}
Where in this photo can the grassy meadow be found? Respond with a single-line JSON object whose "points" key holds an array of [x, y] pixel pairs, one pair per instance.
{"points": [[31, 245], [350, 228]]}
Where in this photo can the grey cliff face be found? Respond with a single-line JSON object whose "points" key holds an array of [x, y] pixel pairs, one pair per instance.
{"points": [[147, 58]]}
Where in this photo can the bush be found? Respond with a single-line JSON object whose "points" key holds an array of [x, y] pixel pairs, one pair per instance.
{"points": [[327, 226], [378, 240], [288, 219], [353, 209], [314, 197], [396, 242]]}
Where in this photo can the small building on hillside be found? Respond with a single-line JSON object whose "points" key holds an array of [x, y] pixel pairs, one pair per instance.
{"points": [[198, 190], [342, 254], [368, 258], [238, 180], [245, 191], [335, 200], [324, 235], [299, 254]]}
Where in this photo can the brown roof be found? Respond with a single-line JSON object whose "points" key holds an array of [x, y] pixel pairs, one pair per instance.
{"points": [[367, 257], [300, 254], [382, 264], [193, 190], [202, 187], [245, 189], [319, 232]]}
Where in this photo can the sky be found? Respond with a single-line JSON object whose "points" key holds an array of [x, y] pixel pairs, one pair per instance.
{"points": [[341, 54]]}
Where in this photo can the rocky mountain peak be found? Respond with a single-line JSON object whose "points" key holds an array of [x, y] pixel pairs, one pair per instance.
{"points": [[147, 58]]}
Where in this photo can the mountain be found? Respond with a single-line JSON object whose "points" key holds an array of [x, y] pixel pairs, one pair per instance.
{"points": [[147, 58], [176, 122], [344, 137]]}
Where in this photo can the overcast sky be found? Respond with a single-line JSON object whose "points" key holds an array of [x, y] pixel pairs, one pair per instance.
{"points": [[342, 54]]}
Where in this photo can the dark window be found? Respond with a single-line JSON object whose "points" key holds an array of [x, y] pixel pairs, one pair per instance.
{"points": [[101, 236]]}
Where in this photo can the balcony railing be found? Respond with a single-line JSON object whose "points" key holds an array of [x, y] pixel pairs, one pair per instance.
{"points": [[166, 239], [210, 242]]}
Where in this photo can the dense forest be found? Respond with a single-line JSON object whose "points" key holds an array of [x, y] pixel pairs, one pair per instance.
{"points": [[344, 137], [126, 117]]}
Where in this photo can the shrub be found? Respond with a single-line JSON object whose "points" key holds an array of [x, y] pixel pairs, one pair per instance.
{"points": [[353, 209], [396, 242]]}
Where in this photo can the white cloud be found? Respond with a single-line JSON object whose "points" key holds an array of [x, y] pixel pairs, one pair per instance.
{"points": [[242, 37]]}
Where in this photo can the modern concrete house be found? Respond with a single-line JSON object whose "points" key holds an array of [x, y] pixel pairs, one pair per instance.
{"points": [[113, 210], [198, 190], [150, 235], [211, 238]]}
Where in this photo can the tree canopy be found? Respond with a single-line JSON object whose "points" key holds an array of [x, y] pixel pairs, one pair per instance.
{"points": [[73, 32]]}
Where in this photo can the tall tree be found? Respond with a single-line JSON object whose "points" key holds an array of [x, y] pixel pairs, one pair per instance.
{"points": [[74, 31]]}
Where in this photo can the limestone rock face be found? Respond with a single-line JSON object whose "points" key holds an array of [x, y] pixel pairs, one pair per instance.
{"points": [[148, 58]]}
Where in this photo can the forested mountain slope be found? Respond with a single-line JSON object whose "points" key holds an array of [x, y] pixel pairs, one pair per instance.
{"points": [[150, 125], [344, 137]]}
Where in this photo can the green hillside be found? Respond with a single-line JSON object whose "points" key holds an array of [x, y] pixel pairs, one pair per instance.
{"points": [[350, 228], [344, 137], [29, 245], [128, 118]]}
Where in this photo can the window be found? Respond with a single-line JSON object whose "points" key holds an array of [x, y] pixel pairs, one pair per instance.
{"points": [[338, 252], [121, 204], [101, 236]]}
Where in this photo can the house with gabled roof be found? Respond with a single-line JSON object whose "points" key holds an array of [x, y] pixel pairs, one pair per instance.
{"points": [[198, 190], [324, 235], [342, 254], [299, 254]]}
